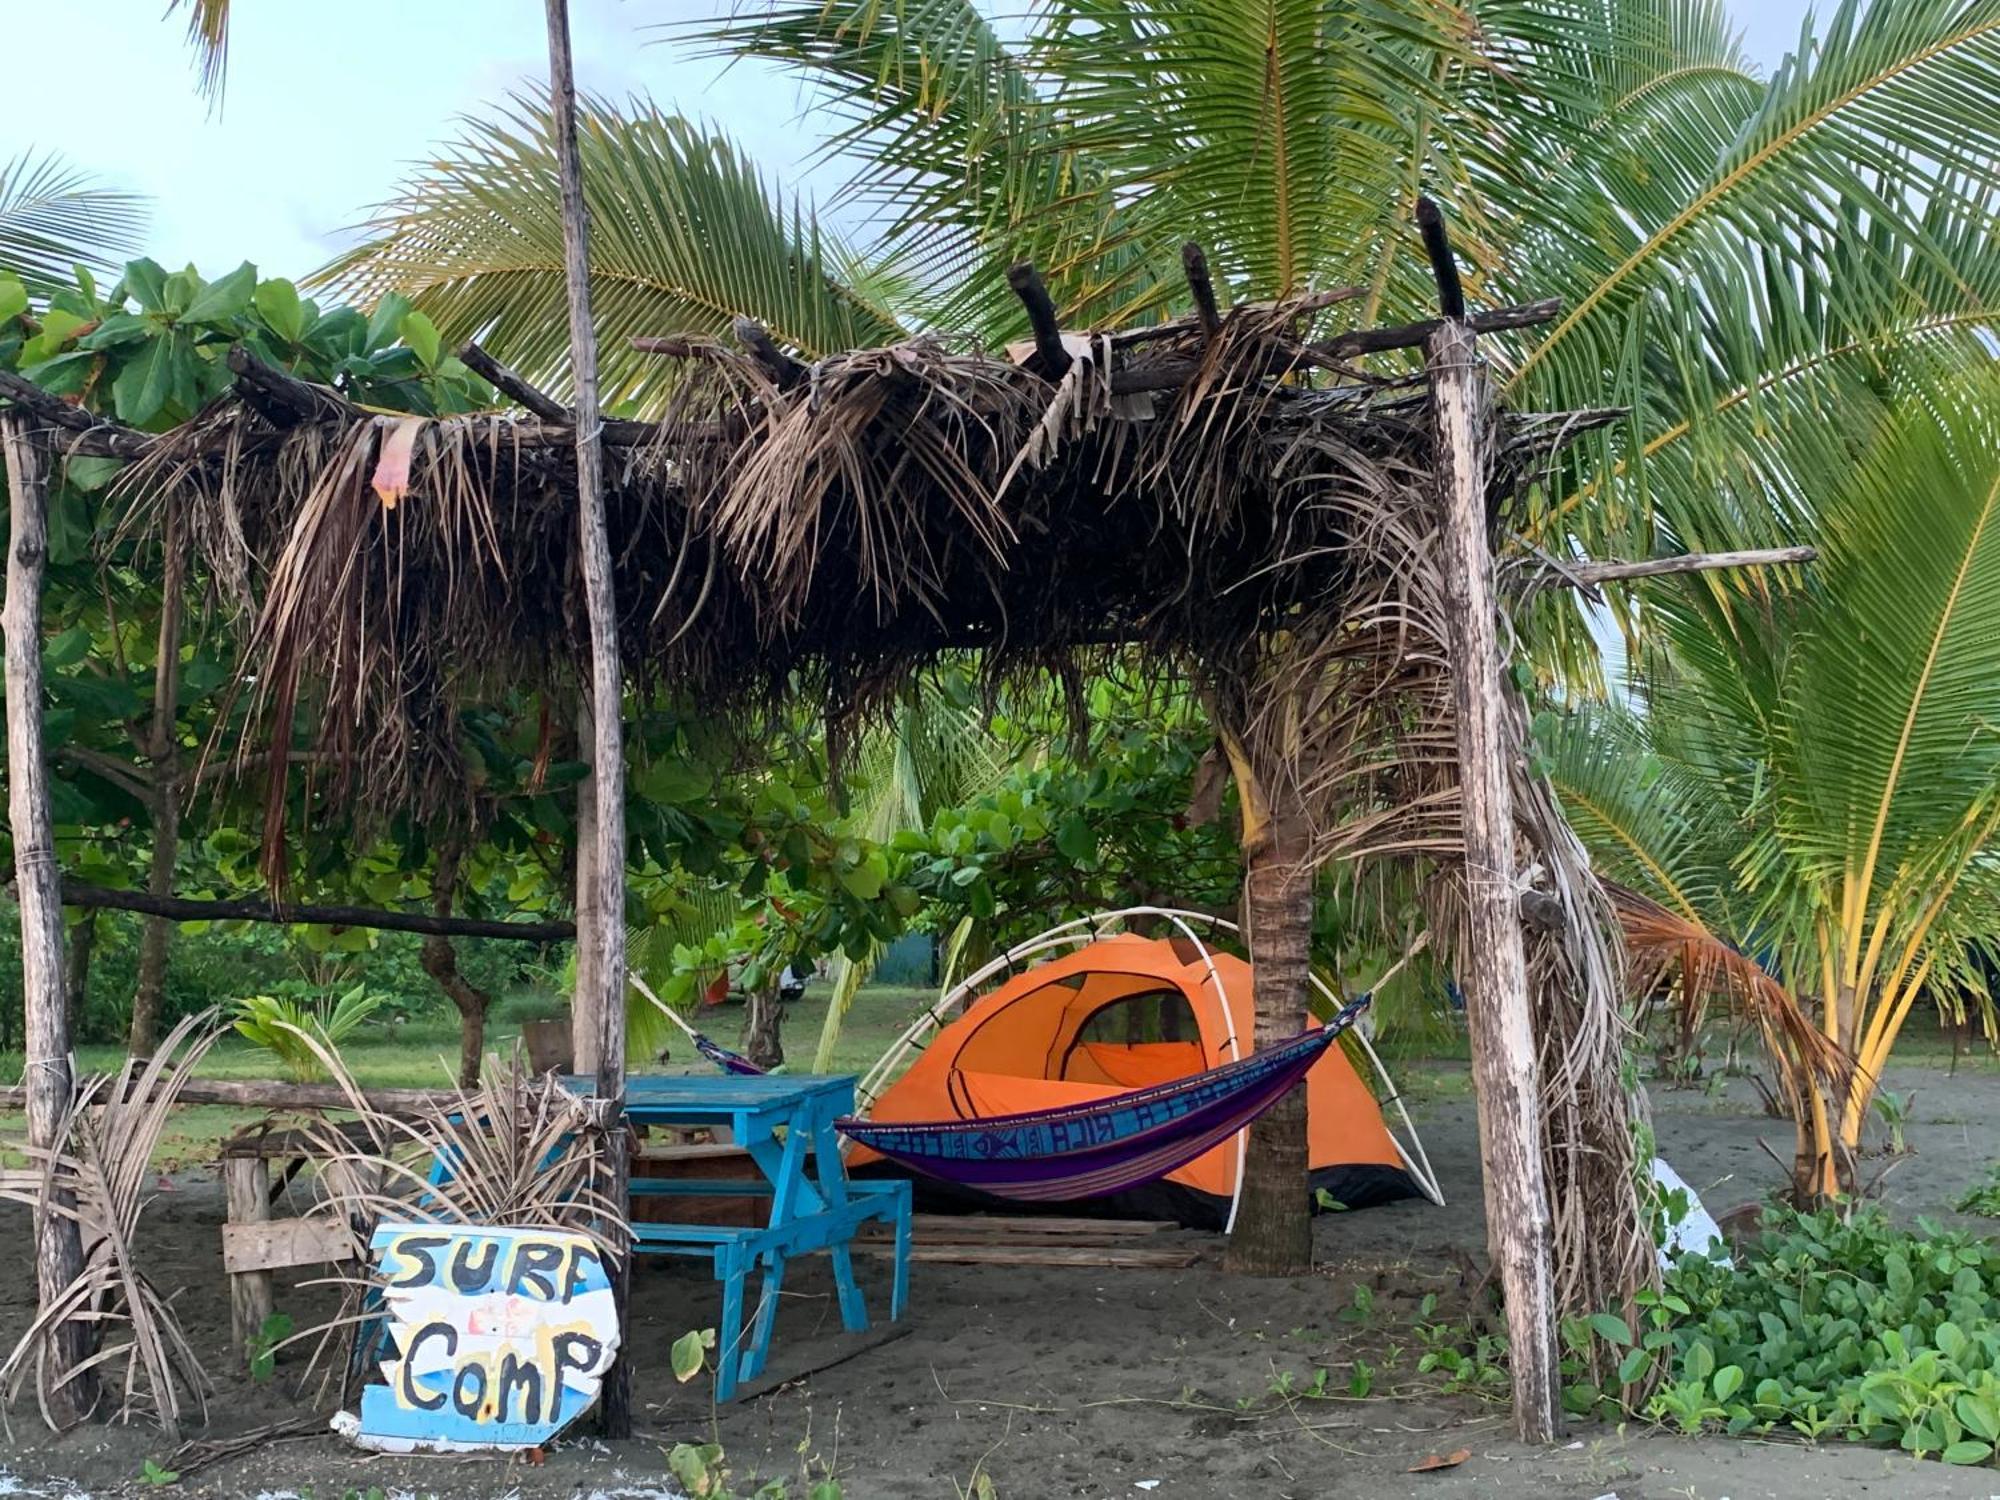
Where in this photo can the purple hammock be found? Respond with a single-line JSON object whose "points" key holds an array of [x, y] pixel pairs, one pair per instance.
{"points": [[1090, 1150]]}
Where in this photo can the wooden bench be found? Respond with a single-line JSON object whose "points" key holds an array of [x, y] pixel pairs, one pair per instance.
{"points": [[734, 1251]]}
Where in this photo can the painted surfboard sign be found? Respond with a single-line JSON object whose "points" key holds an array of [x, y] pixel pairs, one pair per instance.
{"points": [[500, 1337]]}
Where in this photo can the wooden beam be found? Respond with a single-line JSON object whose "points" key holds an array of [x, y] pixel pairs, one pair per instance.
{"points": [[1493, 968], [1194, 262], [757, 341], [46, 1080], [92, 437], [278, 1245], [1027, 284], [1688, 562], [271, 1094], [1414, 335], [599, 1007], [264, 909], [509, 384], [286, 399]]}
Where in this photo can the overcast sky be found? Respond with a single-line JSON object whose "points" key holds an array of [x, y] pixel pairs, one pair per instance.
{"points": [[329, 102]]}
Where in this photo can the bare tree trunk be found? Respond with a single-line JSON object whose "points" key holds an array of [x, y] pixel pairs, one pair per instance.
{"points": [[46, 1072], [762, 1015], [76, 986], [1493, 967], [1273, 1230], [601, 928], [165, 802], [440, 961]]}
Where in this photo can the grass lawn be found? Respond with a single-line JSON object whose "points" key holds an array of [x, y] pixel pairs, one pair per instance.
{"points": [[424, 1054]]}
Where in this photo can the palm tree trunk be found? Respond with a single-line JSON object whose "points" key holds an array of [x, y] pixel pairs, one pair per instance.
{"points": [[46, 1076], [1273, 1232]]}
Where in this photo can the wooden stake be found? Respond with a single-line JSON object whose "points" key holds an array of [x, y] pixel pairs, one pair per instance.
{"points": [[1493, 968], [603, 929], [46, 1073]]}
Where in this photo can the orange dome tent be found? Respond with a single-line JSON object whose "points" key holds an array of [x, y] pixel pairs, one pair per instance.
{"points": [[1122, 1012]]}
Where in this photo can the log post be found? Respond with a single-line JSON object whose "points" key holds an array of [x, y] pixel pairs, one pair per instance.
{"points": [[46, 1079], [1492, 969], [602, 928], [246, 1193]]}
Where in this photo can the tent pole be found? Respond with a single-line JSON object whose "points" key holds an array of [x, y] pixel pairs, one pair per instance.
{"points": [[601, 928], [1499, 1014], [46, 1077]]}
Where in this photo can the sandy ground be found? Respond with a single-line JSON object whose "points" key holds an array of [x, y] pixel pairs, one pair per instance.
{"points": [[1082, 1382]]}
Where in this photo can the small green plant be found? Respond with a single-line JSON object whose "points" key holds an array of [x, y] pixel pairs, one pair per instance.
{"points": [[154, 1473], [261, 1349], [1361, 1381], [1894, 1110], [281, 1025], [1984, 1199], [1328, 1204]]}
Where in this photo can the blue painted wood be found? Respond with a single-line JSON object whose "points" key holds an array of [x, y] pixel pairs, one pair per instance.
{"points": [[785, 1122]]}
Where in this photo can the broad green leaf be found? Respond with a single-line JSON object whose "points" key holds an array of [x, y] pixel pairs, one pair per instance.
{"points": [[66, 649], [1980, 1414], [223, 299], [1699, 1361], [146, 283], [13, 296], [1075, 839], [143, 387], [1967, 1452], [1611, 1328], [1728, 1381], [277, 303], [422, 336], [687, 1355]]}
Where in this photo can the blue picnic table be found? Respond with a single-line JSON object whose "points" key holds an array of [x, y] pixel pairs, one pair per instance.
{"points": [[785, 1122]]}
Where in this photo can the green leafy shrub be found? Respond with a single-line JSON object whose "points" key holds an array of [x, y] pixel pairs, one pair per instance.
{"points": [[1856, 1328], [281, 1024], [1984, 1198]]}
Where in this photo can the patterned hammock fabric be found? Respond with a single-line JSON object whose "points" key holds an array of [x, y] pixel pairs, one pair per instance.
{"points": [[1090, 1150], [723, 1058]]}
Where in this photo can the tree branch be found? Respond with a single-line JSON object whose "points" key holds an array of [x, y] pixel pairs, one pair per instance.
{"points": [[1688, 562], [510, 384], [263, 909], [95, 437]]}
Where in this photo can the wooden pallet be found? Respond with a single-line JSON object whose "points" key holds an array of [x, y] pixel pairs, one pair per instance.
{"points": [[1000, 1240], [1102, 1257]]}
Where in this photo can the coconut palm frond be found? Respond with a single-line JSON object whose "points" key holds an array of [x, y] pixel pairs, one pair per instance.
{"points": [[208, 39], [1666, 946], [53, 218], [97, 1172], [686, 235]]}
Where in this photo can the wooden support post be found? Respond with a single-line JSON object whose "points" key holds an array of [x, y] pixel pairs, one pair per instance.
{"points": [[1194, 262], [46, 1073], [602, 925], [1041, 308], [246, 1191], [1493, 967]]}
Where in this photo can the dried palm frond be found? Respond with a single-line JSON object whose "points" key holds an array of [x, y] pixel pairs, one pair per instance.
{"points": [[518, 1150], [97, 1171], [1672, 951]]}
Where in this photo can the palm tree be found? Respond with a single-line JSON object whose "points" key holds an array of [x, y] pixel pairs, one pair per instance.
{"points": [[1740, 257], [53, 219], [1819, 774]]}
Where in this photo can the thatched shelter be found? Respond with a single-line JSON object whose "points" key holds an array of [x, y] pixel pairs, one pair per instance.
{"points": [[1233, 496]]}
